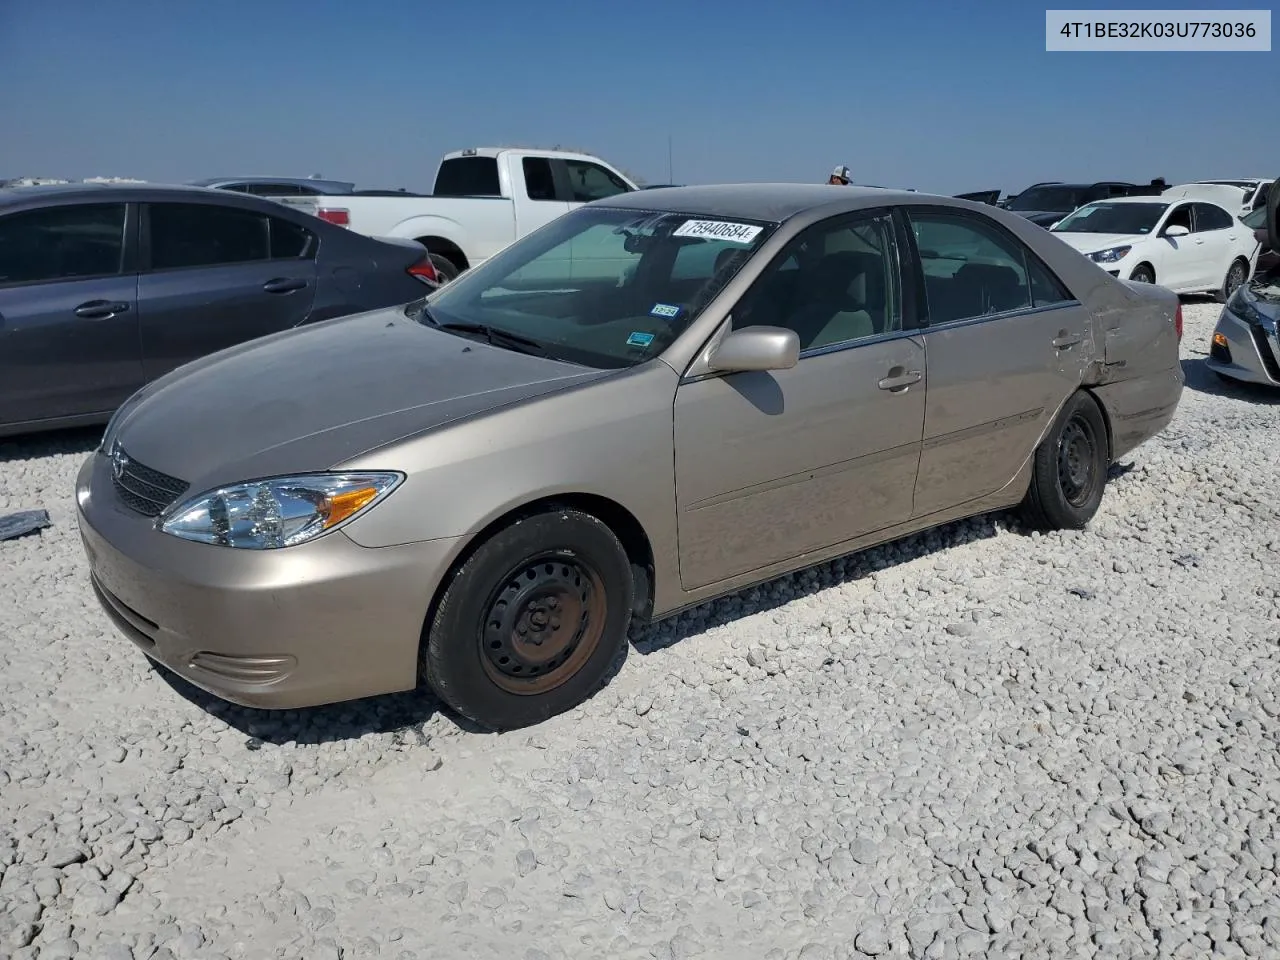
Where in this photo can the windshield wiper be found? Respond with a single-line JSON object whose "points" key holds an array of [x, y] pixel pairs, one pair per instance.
{"points": [[496, 337]]}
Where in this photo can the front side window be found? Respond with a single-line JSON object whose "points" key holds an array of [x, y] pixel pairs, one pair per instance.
{"points": [[590, 181], [62, 243], [837, 282], [970, 268], [602, 287], [203, 235], [1180, 216], [1110, 217]]}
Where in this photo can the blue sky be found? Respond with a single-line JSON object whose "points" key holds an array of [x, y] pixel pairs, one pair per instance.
{"points": [[928, 95]]}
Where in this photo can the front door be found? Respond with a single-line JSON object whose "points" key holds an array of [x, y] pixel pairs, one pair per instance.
{"points": [[68, 313], [1006, 344], [218, 276], [771, 466]]}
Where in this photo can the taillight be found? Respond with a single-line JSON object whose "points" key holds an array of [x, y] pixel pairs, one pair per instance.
{"points": [[1177, 322], [335, 215], [425, 271]]}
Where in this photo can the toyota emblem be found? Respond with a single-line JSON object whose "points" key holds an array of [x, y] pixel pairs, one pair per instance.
{"points": [[118, 462]]}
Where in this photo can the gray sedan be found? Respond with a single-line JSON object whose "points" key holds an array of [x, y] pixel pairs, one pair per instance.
{"points": [[105, 287], [656, 399]]}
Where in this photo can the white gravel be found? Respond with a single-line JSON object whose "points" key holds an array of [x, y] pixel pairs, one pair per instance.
{"points": [[972, 743]]}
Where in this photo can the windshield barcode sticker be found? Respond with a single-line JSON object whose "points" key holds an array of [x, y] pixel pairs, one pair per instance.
{"points": [[718, 230]]}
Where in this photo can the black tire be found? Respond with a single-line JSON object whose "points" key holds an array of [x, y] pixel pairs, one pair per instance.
{"points": [[1069, 471], [1237, 274], [479, 651], [1143, 273], [444, 266]]}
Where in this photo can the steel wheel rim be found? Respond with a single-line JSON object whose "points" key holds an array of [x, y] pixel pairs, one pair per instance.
{"points": [[542, 622], [1077, 466]]}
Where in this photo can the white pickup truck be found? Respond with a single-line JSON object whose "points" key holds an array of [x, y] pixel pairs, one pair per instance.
{"points": [[484, 199]]}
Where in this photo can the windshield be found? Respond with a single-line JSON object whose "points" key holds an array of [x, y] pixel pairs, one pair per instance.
{"points": [[1110, 217], [1049, 199], [600, 286]]}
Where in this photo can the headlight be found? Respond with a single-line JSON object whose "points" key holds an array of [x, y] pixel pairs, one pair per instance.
{"points": [[277, 512], [1110, 255], [1244, 305]]}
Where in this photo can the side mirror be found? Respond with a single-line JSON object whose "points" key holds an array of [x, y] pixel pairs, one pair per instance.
{"points": [[1176, 230], [755, 348], [1273, 228]]}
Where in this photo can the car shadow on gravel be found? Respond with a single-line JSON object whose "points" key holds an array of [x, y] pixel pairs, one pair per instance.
{"points": [[1203, 380], [402, 714], [34, 446], [783, 590]]}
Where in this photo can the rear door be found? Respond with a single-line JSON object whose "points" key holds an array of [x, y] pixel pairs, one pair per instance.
{"points": [[1218, 233], [1005, 345], [68, 312], [216, 276]]}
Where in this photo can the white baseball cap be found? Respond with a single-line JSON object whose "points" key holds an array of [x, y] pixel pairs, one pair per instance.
{"points": [[842, 172]]}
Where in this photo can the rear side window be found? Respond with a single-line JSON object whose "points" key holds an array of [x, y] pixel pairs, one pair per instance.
{"points": [[539, 182], [1209, 217], [1046, 289], [202, 235], [468, 177], [291, 241], [970, 268], [62, 243]]}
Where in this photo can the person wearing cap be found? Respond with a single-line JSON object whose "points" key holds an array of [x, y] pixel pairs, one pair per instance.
{"points": [[840, 177]]}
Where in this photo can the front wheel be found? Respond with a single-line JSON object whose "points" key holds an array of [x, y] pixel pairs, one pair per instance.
{"points": [[1237, 274], [1143, 274], [1069, 470], [532, 622]]}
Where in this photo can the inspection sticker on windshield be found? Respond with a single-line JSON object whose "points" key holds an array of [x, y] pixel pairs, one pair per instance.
{"points": [[639, 339], [718, 230], [668, 310]]}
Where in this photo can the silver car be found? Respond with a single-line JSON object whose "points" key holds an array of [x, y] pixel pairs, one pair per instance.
{"points": [[1246, 341], [654, 400]]}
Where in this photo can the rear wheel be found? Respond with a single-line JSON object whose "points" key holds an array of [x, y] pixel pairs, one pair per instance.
{"points": [[1237, 274], [1143, 273], [532, 622], [444, 266], [1069, 469]]}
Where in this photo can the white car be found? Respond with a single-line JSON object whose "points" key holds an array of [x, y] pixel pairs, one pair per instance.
{"points": [[1252, 195], [1188, 246]]}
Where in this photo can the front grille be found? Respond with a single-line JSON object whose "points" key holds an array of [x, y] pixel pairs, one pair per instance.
{"points": [[1264, 351], [146, 491]]}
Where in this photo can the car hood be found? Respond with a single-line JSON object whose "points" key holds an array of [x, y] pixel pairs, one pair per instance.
{"points": [[1042, 217], [1092, 242], [310, 398]]}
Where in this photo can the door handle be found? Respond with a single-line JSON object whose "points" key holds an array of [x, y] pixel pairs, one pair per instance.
{"points": [[283, 285], [1065, 341], [898, 379], [1199, 239], [100, 309]]}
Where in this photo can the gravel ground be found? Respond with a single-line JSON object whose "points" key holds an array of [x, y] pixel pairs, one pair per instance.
{"points": [[972, 743]]}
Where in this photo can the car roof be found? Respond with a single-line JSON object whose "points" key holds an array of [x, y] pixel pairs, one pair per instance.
{"points": [[10, 196], [1139, 198], [770, 202]]}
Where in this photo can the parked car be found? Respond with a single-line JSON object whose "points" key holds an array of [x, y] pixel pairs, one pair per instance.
{"points": [[485, 488], [1253, 192], [104, 288], [1189, 246], [1047, 203], [1245, 344], [483, 199], [278, 186], [991, 197], [1268, 259]]}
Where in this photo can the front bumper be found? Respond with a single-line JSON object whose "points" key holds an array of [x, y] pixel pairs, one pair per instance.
{"points": [[321, 622], [1251, 352]]}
